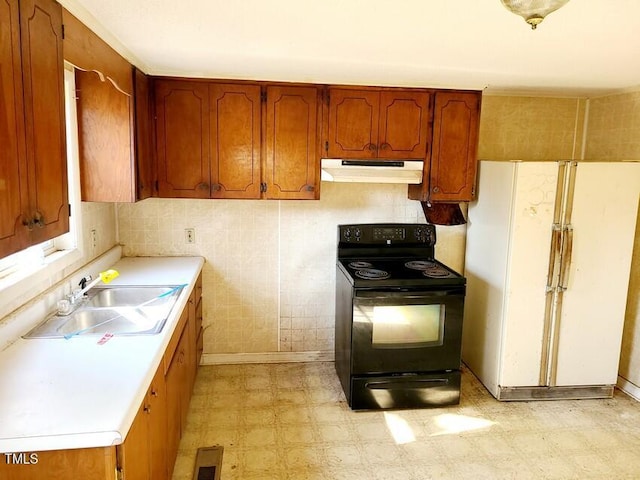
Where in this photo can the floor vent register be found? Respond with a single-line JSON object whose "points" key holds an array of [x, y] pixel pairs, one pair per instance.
{"points": [[208, 463]]}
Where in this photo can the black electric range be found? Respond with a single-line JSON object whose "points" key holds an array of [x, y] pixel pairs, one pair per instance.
{"points": [[398, 318]]}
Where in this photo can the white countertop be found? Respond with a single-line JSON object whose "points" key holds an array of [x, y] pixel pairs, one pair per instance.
{"points": [[59, 394]]}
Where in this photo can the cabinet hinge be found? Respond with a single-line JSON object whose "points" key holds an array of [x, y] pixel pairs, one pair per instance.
{"points": [[263, 96], [473, 191], [326, 146], [119, 474], [263, 187], [69, 210], [63, 31]]}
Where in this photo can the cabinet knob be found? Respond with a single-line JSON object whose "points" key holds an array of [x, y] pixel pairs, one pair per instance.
{"points": [[27, 223], [384, 146], [436, 189], [216, 187], [372, 147], [309, 188], [154, 392], [147, 409], [203, 186], [38, 219]]}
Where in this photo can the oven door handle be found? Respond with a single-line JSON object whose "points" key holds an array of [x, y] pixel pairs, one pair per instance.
{"points": [[406, 384], [408, 294]]}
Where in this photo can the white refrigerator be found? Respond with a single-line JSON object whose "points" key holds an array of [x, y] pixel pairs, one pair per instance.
{"points": [[548, 257]]}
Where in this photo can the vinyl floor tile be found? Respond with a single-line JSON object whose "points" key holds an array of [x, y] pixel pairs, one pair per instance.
{"points": [[291, 421]]}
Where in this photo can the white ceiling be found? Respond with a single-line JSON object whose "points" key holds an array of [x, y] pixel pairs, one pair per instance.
{"points": [[587, 48]]}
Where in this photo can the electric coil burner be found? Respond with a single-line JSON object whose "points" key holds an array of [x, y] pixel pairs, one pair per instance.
{"points": [[398, 318]]}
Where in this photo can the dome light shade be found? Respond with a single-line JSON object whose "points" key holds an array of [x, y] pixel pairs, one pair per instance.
{"points": [[533, 11]]}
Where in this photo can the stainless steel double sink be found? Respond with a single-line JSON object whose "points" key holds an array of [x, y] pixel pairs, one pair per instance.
{"points": [[120, 310]]}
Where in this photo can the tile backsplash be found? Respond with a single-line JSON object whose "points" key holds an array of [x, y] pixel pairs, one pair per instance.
{"points": [[269, 280]]}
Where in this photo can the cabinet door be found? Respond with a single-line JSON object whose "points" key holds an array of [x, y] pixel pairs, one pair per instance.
{"points": [[79, 463], [353, 123], [157, 401], [292, 158], [143, 136], [186, 348], [182, 132], [455, 141], [43, 77], [235, 140], [105, 140], [133, 454], [13, 168], [404, 125], [174, 382]]}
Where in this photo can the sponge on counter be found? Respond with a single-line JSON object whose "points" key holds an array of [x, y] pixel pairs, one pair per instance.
{"points": [[108, 275]]}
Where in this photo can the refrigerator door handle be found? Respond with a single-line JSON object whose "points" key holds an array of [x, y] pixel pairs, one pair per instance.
{"points": [[555, 256], [567, 251]]}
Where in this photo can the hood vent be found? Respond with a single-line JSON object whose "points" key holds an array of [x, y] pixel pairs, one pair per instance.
{"points": [[372, 171]]}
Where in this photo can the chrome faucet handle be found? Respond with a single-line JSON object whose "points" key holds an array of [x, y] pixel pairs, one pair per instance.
{"points": [[83, 281]]}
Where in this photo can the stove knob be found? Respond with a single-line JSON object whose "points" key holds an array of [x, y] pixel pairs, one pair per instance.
{"points": [[358, 233], [347, 235]]}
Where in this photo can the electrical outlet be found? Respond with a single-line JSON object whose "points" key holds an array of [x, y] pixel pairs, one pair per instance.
{"points": [[94, 239], [189, 235]]}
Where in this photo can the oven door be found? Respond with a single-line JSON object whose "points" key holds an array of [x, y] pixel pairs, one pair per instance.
{"points": [[400, 331]]}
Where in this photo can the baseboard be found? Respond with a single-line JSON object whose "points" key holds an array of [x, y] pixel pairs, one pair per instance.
{"points": [[269, 357], [629, 388]]}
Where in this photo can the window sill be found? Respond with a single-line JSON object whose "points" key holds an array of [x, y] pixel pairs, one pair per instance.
{"points": [[27, 282]]}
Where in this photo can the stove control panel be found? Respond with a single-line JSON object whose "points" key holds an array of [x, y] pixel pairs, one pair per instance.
{"points": [[388, 234]]}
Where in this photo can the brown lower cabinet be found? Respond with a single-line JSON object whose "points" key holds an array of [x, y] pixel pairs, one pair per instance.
{"points": [[151, 446]]}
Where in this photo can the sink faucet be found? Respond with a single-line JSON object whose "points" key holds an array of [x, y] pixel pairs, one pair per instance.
{"points": [[78, 294], [74, 299]]}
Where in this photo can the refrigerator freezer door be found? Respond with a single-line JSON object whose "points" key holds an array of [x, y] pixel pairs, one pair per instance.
{"points": [[604, 217], [531, 233], [506, 266]]}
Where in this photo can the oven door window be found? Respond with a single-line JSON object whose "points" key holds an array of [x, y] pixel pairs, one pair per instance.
{"points": [[405, 331], [404, 326]]}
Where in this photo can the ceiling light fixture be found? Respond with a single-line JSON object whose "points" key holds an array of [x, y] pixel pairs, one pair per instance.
{"points": [[533, 11]]}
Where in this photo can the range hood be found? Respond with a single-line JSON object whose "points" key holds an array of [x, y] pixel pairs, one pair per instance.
{"points": [[372, 171]]}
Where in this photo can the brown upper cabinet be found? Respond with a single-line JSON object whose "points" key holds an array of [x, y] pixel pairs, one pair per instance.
{"points": [[114, 138], [378, 123], [451, 173], [245, 140], [182, 135], [34, 203], [292, 148], [234, 121], [114, 119]]}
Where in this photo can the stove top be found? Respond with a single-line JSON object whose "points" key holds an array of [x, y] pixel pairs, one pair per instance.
{"points": [[392, 255], [410, 271]]}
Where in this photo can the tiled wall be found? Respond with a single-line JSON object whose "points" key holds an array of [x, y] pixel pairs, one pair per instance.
{"points": [[614, 134], [269, 277]]}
